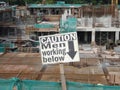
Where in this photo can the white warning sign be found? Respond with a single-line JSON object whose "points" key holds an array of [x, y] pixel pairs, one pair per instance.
{"points": [[59, 48]]}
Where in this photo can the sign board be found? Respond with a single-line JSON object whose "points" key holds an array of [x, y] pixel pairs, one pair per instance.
{"points": [[59, 48]]}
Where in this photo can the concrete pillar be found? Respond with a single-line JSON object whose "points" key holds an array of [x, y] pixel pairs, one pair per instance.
{"points": [[66, 13], [69, 11], [64, 16], [8, 32], [79, 12], [3, 17], [28, 12], [85, 37], [15, 29], [49, 11], [93, 37], [73, 11], [116, 36]]}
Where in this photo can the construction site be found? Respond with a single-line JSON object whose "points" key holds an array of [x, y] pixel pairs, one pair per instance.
{"points": [[98, 32]]}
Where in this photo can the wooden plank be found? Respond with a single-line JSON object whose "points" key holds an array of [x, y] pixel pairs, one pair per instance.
{"points": [[63, 81]]}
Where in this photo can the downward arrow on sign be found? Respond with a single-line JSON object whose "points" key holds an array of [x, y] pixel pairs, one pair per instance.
{"points": [[71, 52]]}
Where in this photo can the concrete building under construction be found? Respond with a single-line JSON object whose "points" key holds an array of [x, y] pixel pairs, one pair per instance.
{"points": [[96, 26]]}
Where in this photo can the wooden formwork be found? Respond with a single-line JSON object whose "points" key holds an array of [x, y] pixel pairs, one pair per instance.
{"points": [[21, 65], [29, 66], [32, 29]]}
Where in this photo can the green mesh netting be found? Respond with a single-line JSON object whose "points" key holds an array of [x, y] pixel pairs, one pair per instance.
{"points": [[40, 85], [3, 46], [45, 85], [57, 5], [11, 45], [69, 25], [2, 49], [84, 86], [6, 84], [43, 25]]}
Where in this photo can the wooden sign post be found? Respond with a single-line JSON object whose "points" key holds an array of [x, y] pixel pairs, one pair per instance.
{"points": [[62, 76]]}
